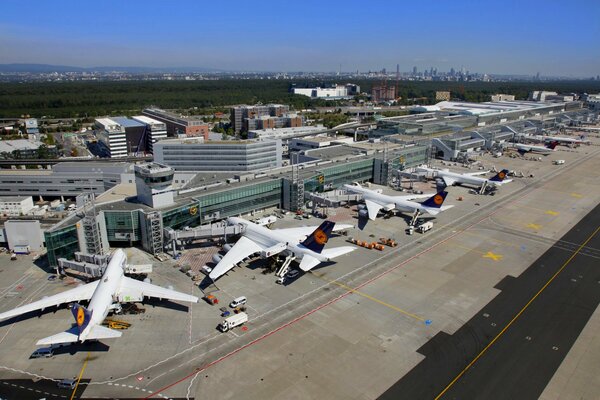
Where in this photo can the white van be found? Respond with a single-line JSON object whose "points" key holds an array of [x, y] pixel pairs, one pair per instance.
{"points": [[44, 352], [238, 302]]}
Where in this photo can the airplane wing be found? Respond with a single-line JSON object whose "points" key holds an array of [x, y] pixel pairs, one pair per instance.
{"points": [[308, 262], [373, 209], [477, 173], [136, 289], [242, 249], [449, 181], [303, 231], [83, 292], [415, 196], [72, 335]]}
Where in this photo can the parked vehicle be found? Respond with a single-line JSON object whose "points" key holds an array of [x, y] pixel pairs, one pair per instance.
{"points": [[233, 321], [425, 227], [238, 302], [44, 352], [210, 299], [67, 384], [292, 274]]}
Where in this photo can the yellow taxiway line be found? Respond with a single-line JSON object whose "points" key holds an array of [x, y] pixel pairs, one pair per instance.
{"points": [[367, 296], [512, 321]]}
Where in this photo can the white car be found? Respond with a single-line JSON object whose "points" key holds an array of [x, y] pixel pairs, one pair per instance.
{"points": [[205, 269]]}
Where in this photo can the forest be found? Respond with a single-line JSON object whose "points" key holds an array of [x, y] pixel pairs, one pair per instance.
{"points": [[91, 99]]}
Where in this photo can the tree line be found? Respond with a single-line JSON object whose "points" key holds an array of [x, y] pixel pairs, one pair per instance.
{"points": [[91, 99]]}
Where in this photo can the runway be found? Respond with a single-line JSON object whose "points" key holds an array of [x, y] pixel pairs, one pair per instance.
{"points": [[515, 344]]}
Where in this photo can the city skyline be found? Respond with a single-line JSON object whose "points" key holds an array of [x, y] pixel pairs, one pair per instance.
{"points": [[486, 37]]}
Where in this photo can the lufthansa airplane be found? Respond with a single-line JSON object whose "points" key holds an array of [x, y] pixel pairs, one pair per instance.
{"points": [[305, 243], [102, 295]]}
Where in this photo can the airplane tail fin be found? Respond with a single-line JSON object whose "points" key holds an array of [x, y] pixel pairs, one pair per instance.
{"points": [[316, 241], [552, 145], [500, 176], [436, 200], [82, 316]]}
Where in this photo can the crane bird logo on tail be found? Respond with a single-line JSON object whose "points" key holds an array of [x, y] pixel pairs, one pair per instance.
{"points": [[316, 240], [82, 317], [320, 237]]}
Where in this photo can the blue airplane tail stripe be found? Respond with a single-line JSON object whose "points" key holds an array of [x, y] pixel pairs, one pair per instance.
{"points": [[82, 316], [500, 176], [436, 200], [316, 241]]}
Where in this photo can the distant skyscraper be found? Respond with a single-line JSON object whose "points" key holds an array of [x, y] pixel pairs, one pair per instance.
{"points": [[397, 71], [414, 70], [452, 71], [537, 76]]}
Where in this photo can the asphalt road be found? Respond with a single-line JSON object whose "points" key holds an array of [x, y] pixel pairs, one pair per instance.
{"points": [[515, 360]]}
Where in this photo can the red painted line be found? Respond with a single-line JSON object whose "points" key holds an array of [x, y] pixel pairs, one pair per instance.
{"points": [[314, 310]]}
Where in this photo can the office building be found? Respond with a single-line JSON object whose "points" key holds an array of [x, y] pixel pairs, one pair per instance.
{"points": [[15, 205], [112, 138], [236, 155], [155, 130], [23, 148], [383, 93], [442, 95], [503, 97], [268, 122], [179, 125], [329, 92], [239, 114]]}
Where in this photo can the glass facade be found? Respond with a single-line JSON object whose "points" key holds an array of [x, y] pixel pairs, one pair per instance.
{"points": [[240, 200], [335, 176], [188, 215], [62, 243], [122, 226]]}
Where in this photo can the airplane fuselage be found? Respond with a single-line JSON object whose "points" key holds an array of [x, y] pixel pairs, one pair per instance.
{"points": [[270, 239], [534, 149], [386, 200], [106, 292], [466, 179]]}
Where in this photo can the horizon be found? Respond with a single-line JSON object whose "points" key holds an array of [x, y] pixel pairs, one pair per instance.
{"points": [[319, 38]]}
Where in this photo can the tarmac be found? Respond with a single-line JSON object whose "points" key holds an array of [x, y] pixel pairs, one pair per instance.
{"points": [[356, 327]]}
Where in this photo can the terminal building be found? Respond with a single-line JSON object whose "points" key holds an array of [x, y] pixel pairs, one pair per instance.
{"points": [[179, 125], [211, 197], [67, 179], [226, 156], [150, 209]]}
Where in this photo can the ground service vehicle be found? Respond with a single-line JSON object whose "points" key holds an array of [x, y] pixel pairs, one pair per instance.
{"points": [[425, 227], [233, 321], [44, 352], [67, 384], [238, 302]]}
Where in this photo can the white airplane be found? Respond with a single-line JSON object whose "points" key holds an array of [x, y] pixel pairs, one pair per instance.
{"points": [[454, 178], [528, 148], [376, 201], [562, 139], [102, 294], [290, 241]]}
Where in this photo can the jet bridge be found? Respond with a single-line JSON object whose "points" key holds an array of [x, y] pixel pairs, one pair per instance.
{"points": [[210, 231]]}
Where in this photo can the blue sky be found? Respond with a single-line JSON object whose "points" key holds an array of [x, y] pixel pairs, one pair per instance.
{"points": [[552, 37]]}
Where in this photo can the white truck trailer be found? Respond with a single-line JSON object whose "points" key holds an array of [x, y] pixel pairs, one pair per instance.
{"points": [[233, 321]]}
